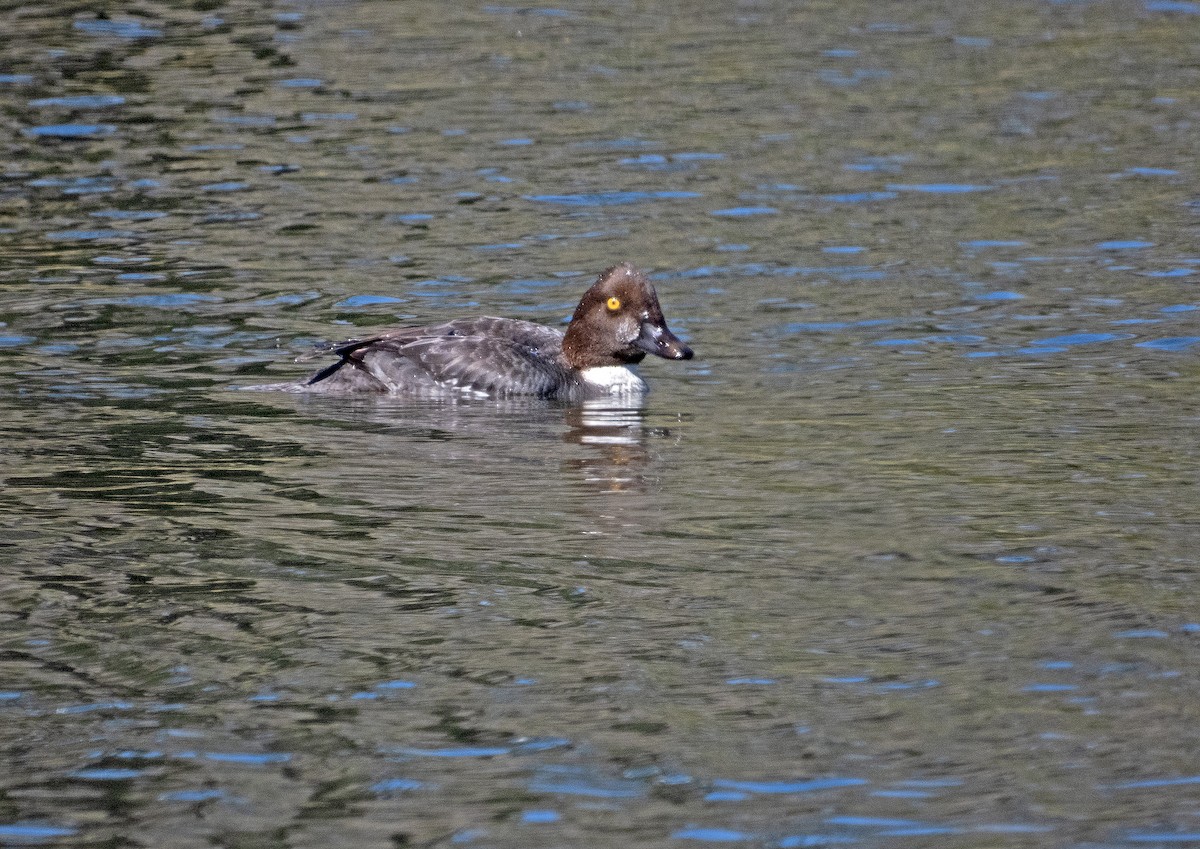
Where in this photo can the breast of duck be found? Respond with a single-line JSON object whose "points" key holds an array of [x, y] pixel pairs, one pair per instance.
{"points": [[618, 321]]}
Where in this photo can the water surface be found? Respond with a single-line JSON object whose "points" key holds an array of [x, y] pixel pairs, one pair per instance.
{"points": [[905, 556]]}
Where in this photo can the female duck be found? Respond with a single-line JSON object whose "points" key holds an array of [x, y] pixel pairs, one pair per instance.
{"points": [[618, 322]]}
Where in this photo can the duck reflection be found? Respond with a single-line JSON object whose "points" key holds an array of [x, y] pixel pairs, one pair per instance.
{"points": [[603, 443], [617, 435]]}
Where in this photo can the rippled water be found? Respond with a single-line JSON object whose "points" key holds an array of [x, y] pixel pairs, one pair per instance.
{"points": [[905, 556]]}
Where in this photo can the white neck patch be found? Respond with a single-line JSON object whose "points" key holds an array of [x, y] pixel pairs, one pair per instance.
{"points": [[616, 380]]}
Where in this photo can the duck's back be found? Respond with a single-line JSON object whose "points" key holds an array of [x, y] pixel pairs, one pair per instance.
{"points": [[468, 356]]}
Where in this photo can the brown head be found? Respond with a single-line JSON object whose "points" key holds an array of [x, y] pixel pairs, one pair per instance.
{"points": [[618, 322]]}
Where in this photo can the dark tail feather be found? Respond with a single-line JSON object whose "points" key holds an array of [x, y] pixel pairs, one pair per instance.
{"points": [[327, 371], [344, 347], [348, 374], [345, 350]]}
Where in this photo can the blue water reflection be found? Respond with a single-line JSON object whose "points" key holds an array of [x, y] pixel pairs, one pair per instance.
{"points": [[788, 787], [116, 28], [33, 832], [80, 101], [615, 198], [393, 786], [193, 796], [579, 781], [248, 758], [712, 835], [861, 197], [1182, 7], [1170, 343], [71, 131], [939, 188], [745, 211], [102, 774]]}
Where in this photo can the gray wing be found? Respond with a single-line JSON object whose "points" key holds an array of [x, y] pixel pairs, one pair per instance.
{"points": [[489, 356]]}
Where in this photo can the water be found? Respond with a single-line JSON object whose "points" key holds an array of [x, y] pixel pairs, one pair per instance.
{"points": [[905, 556]]}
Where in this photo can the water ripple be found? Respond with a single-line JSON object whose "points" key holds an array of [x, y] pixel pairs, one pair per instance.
{"points": [[1069, 339], [116, 28], [1170, 343], [939, 188], [785, 787], [1181, 7], [860, 197], [452, 752], [610, 198], [746, 211], [80, 101], [579, 781], [29, 832], [712, 835], [248, 758], [71, 131]]}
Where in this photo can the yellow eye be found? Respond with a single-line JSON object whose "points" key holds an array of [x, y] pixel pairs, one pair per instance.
{"points": [[614, 304]]}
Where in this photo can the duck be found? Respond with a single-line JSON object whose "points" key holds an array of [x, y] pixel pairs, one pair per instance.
{"points": [[617, 323]]}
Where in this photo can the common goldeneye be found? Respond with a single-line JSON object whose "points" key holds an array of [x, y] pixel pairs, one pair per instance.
{"points": [[616, 324]]}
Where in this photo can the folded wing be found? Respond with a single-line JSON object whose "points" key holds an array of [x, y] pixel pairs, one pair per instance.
{"points": [[480, 356]]}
